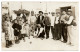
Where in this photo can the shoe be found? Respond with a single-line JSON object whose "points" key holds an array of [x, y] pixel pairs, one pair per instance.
{"points": [[10, 46], [7, 46], [57, 39], [41, 38], [46, 37], [64, 41], [68, 43], [52, 38], [72, 45]]}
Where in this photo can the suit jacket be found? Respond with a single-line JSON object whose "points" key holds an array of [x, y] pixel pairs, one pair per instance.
{"points": [[40, 21], [47, 20]]}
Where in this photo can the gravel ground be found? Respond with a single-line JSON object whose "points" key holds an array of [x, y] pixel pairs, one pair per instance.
{"points": [[45, 44]]}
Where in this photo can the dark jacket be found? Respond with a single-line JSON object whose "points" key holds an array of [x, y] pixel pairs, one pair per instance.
{"points": [[17, 29], [47, 20], [40, 21]]}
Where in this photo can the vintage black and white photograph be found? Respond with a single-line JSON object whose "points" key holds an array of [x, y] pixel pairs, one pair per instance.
{"points": [[39, 25]]}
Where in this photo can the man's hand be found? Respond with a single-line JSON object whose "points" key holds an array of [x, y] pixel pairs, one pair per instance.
{"points": [[39, 25], [65, 22], [18, 30], [15, 28]]}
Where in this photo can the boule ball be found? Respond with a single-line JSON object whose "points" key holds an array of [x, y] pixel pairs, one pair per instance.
{"points": [[30, 42]]}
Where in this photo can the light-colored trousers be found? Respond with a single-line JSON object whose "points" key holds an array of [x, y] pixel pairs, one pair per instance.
{"points": [[70, 34]]}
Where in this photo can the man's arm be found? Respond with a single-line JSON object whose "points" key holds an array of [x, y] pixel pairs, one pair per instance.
{"points": [[70, 20], [37, 21], [63, 18]]}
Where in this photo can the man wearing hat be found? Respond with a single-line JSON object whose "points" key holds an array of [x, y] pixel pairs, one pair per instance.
{"points": [[47, 24], [69, 21], [40, 24]]}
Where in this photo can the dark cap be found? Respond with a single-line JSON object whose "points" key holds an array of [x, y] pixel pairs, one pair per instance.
{"points": [[40, 12]]}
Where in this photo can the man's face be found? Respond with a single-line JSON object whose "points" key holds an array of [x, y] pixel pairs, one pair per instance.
{"points": [[45, 14], [18, 18], [22, 20], [40, 14], [53, 14], [15, 21], [32, 14], [69, 13], [63, 12], [8, 19], [58, 15], [19, 22]]}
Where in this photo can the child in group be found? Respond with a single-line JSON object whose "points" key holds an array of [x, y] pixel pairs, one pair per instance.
{"points": [[27, 29], [19, 30], [16, 31], [23, 30], [8, 32]]}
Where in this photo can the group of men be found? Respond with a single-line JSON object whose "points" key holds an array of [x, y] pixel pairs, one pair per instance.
{"points": [[59, 23]]}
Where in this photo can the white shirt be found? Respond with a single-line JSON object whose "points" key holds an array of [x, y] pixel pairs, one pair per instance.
{"points": [[40, 17], [33, 19], [57, 20], [28, 18], [21, 15], [52, 20]]}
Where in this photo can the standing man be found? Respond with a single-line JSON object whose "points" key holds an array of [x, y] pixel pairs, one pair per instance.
{"points": [[57, 27], [52, 23], [63, 26], [24, 17], [32, 24], [69, 21], [47, 24], [40, 24]]}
